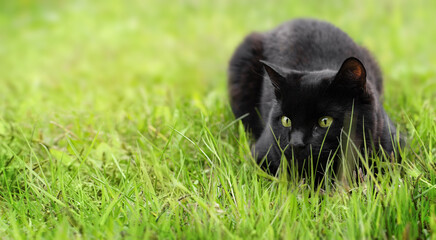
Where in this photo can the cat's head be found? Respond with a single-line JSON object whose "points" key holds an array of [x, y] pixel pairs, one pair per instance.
{"points": [[312, 109]]}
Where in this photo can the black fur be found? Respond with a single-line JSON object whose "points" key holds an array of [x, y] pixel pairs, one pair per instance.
{"points": [[245, 81], [309, 69]]}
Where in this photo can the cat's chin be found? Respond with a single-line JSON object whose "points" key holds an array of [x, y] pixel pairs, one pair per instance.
{"points": [[304, 163], [297, 157], [304, 160]]}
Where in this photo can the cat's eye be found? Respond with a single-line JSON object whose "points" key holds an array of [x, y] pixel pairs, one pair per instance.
{"points": [[325, 121], [286, 122]]}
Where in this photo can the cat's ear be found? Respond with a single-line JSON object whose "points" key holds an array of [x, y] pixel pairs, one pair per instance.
{"points": [[275, 76], [351, 76]]}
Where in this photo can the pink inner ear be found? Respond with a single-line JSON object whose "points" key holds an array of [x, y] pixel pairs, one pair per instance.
{"points": [[357, 71]]}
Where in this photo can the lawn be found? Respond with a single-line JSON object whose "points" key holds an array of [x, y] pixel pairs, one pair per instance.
{"points": [[115, 123]]}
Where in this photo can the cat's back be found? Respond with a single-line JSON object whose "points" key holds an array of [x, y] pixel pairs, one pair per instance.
{"points": [[309, 44]]}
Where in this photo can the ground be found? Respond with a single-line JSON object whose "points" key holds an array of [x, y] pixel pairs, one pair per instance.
{"points": [[115, 122]]}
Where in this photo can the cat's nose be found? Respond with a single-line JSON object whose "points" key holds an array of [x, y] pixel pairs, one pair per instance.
{"points": [[297, 146], [296, 141]]}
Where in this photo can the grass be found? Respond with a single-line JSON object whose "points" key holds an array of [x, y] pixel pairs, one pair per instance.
{"points": [[115, 123]]}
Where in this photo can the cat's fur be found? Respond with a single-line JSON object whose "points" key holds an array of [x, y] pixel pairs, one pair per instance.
{"points": [[306, 69]]}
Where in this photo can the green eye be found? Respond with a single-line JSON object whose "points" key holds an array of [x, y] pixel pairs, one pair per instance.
{"points": [[286, 122], [325, 121]]}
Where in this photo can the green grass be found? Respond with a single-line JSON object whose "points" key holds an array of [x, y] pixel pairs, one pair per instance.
{"points": [[115, 122]]}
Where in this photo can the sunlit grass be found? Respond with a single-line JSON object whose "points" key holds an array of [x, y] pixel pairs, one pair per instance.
{"points": [[115, 122]]}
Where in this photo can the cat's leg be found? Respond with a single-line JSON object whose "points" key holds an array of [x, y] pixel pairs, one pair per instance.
{"points": [[245, 76], [266, 151], [388, 138]]}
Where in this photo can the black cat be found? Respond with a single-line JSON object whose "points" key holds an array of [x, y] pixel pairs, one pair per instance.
{"points": [[303, 84]]}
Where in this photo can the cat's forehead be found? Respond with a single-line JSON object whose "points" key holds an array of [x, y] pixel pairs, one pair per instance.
{"points": [[315, 78], [310, 102], [306, 86], [308, 90]]}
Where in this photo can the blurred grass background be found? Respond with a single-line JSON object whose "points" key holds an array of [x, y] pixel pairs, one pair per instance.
{"points": [[73, 55], [94, 78]]}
